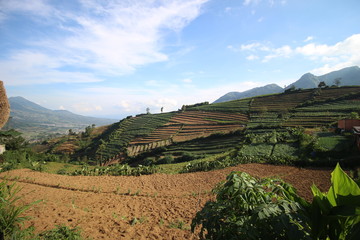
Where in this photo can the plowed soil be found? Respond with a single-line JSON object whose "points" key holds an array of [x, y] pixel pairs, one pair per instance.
{"points": [[156, 206]]}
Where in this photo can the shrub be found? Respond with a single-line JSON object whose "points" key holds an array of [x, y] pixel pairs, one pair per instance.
{"points": [[251, 208], [167, 159]]}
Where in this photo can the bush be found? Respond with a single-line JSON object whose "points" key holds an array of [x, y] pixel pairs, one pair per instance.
{"points": [[166, 159], [251, 208]]}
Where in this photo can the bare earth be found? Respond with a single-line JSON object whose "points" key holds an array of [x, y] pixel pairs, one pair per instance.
{"points": [[105, 207]]}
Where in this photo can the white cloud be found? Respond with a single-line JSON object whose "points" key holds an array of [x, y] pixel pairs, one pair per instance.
{"points": [[334, 57], [187, 80], [107, 38], [252, 57], [309, 38], [257, 2], [251, 2]]}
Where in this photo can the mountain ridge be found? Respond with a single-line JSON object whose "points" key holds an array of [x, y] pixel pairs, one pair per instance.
{"points": [[348, 76], [34, 120]]}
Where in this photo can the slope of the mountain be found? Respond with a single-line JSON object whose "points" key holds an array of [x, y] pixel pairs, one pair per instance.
{"points": [[349, 76], [34, 120], [268, 89]]}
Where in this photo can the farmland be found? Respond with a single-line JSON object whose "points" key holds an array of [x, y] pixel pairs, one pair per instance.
{"points": [[146, 176], [207, 129], [156, 206]]}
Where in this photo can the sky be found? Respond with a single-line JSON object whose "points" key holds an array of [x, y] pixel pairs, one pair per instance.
{"points": [[115, 58]]}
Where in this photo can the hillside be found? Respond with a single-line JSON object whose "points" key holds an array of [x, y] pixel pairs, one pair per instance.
{"points": [[349, 76], [37, 122], [202, 130]]}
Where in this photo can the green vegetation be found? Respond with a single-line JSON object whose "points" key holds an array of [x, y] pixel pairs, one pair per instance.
{"points": [[12, 217], [295, 127], [116, 170], [251, 208], [10, 213], [61, 232]]}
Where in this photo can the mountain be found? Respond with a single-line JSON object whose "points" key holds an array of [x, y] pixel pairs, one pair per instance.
{"points": [[349, 76], [34, 120], [268, 89]]}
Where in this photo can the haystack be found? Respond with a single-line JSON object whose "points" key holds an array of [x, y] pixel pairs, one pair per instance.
{"points": [[4, 106]]}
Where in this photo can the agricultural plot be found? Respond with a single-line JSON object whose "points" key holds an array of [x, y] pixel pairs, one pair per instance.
{"points": [[185, 126], [335, 92], [129, 129], [285, 149], [334, 142], [264, 119], [240, 106], [279, 102], [257, 149], [322, 114], [208, 146]]}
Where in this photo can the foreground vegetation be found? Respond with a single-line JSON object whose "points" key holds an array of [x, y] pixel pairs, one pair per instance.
{"points": [[251, 208], [13, 216]]}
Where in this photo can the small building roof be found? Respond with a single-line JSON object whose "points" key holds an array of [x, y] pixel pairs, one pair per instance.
{"points": [[356, 129]]}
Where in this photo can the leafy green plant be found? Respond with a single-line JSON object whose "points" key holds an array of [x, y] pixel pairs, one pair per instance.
{"points": [[251, 208], [336, 214]]}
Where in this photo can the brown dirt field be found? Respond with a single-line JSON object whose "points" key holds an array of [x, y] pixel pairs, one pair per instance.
{"points": [[104, 207]]}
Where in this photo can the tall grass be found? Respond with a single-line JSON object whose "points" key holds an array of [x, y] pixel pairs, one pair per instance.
{"points": [[11, 214]]}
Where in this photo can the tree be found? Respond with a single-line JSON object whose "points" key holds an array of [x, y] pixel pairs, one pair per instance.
{"points": [[12, 140], [147, 110], [162, 109], [322, 84], [337, 81], [354, 115]]}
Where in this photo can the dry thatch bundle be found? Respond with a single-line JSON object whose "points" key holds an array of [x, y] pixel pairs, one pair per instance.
{"points": [[4, 106]]}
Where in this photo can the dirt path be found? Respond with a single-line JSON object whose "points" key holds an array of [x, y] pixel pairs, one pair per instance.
{"points": [[145, 207]]}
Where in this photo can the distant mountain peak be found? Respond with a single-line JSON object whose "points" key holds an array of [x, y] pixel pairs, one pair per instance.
{"points": [[267, 89], [349, 76]]}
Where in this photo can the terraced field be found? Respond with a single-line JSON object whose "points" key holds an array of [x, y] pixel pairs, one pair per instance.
{"points": [[279, 102], [310, 108], [188, 125], [322, 114]]}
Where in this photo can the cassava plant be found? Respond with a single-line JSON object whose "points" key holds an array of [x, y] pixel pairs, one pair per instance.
{"points": [[251, 208]]}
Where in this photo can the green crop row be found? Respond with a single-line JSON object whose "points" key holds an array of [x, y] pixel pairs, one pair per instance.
{"points": [[117, 170]]}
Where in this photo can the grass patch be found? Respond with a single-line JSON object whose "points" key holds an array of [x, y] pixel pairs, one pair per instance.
{"points": [[333, 142]]}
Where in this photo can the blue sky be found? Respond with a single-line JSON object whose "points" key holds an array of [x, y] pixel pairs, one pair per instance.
{"points": [[116, 58]]}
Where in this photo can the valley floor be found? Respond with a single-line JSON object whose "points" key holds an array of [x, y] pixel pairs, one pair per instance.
{"points": [[155, 206]]}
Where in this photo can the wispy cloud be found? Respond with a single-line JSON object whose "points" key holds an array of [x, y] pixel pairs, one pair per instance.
{"points": [[342, 54], [109, 38], [257, 2], [309, 38]]}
